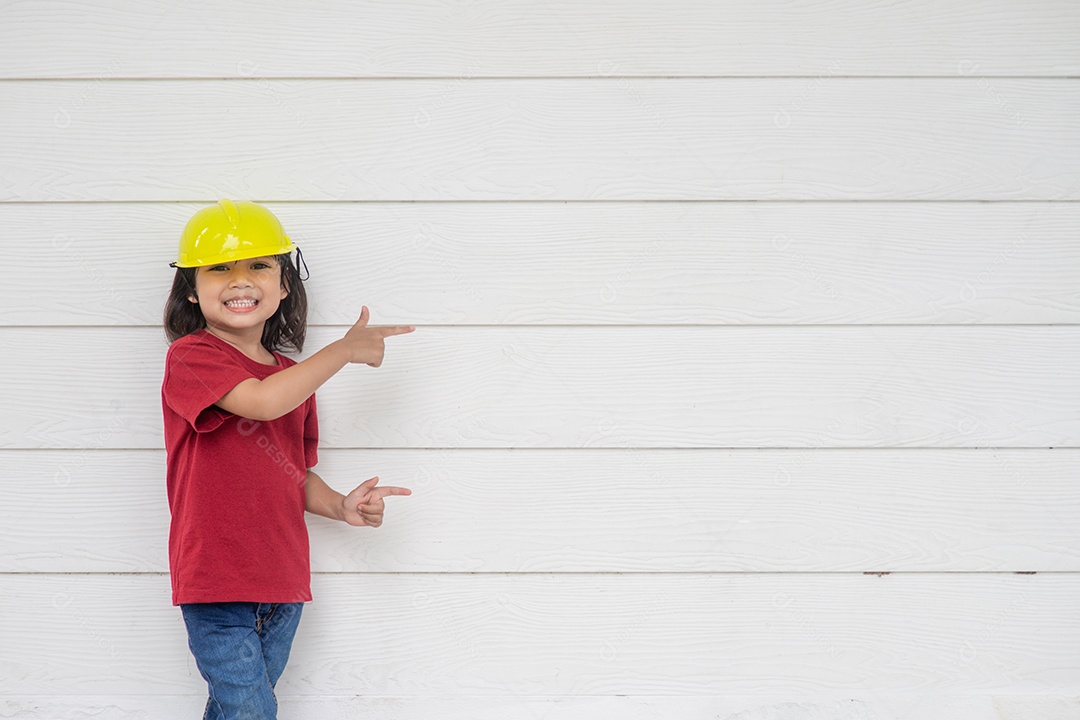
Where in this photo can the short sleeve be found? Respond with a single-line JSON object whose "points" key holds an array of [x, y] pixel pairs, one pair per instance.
{"points": [[311, 434], [198, 373]]}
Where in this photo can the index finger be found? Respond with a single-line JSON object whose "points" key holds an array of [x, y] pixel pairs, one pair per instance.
{"points": [[388, 330], [386, 490]]}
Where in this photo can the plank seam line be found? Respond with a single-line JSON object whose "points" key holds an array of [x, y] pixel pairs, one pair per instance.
{"points": [[619, 326], [675, 573], [611, 448], [515, 78], [564, 201]]}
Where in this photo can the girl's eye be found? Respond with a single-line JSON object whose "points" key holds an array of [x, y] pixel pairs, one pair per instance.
{"points": [[259, 266], [217, 267]]}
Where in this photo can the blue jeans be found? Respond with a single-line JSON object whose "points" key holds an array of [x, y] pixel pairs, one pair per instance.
{"points": [[241, 649]]}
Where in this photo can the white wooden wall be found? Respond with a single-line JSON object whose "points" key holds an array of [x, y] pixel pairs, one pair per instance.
{"points": [[746, 381]]}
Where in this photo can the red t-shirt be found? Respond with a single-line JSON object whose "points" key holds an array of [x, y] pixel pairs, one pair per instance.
{"points": [[235, 485]]}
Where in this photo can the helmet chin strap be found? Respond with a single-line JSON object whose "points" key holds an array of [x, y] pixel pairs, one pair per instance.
{"points": [[299, 262]]}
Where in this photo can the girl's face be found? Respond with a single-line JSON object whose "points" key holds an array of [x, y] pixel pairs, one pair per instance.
{"points": [[239, 296]]}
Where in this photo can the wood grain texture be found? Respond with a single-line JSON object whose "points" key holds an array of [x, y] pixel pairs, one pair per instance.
{"points": [[751, 387], [617, 510], [541, 139], [669, 426], [578, 634], [520, 263], [464, 38], [786, 706]]}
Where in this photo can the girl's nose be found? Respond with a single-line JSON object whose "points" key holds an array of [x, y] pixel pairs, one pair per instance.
{"points": [[240, 278]]}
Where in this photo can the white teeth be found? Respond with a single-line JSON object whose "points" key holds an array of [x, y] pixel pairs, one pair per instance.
{"points": [[241, 303]]}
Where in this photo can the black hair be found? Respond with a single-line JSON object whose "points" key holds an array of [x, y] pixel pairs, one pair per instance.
{"points": [[284, 331]]}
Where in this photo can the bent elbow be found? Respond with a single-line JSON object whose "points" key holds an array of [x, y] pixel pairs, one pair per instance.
{"points": [[264, 414], [251, 401]]}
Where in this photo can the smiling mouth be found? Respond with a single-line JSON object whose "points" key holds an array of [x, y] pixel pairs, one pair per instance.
{"points": [[241, 304]]}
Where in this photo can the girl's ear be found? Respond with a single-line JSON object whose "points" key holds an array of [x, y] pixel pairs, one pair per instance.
{"points": [[192, 298]]}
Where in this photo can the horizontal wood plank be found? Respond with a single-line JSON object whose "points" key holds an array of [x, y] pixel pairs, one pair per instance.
{"points": [[465, 38], [573, 634], [787, 706], [542, 139], [796, 387], [584, 263], [616, 510]]}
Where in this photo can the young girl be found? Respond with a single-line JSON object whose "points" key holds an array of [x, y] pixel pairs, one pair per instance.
{"points": [[241, 435]]}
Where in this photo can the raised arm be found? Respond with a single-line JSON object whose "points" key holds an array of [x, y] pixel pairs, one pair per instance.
{"points": [[283, 391]]}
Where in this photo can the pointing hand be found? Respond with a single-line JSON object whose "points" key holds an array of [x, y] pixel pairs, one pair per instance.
{"points": [[365, 506], [366, 344]]}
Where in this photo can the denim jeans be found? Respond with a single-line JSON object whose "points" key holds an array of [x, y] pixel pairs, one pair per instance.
{"points": [[241, 649]]}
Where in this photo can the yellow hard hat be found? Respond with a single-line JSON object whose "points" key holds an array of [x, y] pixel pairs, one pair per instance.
{"points": [[231, 231]]}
